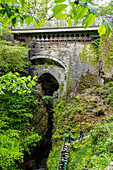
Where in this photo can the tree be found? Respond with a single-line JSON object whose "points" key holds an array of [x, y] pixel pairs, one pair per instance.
{"points": [[41, 8], [99, 54], [16, 11], [107, 9], [16, 112], [77, 10], [13, 58]]}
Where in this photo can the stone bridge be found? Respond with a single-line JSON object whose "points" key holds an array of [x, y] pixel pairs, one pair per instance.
{"points": [[62, 45]]}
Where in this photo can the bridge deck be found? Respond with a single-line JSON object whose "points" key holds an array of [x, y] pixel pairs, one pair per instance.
{"points": [[59, 26], [50, 30]]}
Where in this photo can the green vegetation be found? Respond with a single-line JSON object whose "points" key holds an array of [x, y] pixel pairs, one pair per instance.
{"points": [[13, 58], [17, 135], [17, 106], [15, 11], [99, 54], [84, 111], [95, 152], [107, 9]]}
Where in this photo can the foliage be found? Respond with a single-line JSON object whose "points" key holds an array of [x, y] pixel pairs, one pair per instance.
{"points": [[61, 88], [10, 148], [12, 57], [68, 82], [96, 153], [51, 164], [99, 54], [77, 114], [47, 99], [106, 9], [14, 11], [40, 7], [99, 112], [16, 84], [16, 112], [77, 10]]}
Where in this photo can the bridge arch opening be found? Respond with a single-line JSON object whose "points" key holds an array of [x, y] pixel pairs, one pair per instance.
{"points": [[48, 61], [48, 83]]}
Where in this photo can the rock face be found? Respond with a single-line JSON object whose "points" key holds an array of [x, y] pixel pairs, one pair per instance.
{"points": [[42, 124]]}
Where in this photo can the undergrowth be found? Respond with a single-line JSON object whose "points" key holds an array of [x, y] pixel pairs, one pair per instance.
{"points": [[84, 111]]}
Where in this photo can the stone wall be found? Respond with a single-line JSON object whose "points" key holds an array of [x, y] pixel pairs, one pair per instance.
{"points": [[66, 54], [63, 48]]}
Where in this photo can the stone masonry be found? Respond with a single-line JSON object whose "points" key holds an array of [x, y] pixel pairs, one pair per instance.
{"points": [[62, 47]]}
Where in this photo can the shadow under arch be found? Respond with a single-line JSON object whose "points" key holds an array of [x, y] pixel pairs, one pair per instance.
{"points": [[49, 83]]}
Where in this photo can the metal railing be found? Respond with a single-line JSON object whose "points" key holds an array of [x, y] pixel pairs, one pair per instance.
{"points": [[59, 160], [83, 137], [53, 23]]}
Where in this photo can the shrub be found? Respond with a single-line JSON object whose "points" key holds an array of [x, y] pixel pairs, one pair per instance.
{"points": [[99, 112], [79, 109], [76, 146], [94, 104], [104, 101], [71, 117], [92, 91], [77, 98]]}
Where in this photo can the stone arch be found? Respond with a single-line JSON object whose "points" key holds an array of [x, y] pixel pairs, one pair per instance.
{"points": [[49, 83], [51, 58], [50, 72]]}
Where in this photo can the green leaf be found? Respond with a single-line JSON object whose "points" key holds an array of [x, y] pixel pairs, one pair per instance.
{"points": [[20, 10], [59, 8], [69, 21], [36, 19], [107, 26], [101, 30], [1, 31], [5, 19], [22, 2], [83, 3], [61, 16], [59, 1], [42, 20], [29, 20], [26, 9], [73, 10], [25, 16], [76, 20], [14, 21], [2, 12], [21, 21], [88, 20], [8, 10], [92, 8], [81, 12], [33, 82], [10, 1], [37, 25], [35, 77]]}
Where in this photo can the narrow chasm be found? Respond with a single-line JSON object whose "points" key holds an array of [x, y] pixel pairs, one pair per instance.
{"points": [[49, 85], [43, 123]]}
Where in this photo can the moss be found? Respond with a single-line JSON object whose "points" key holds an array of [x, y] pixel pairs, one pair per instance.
{"points": [[87, 81]]}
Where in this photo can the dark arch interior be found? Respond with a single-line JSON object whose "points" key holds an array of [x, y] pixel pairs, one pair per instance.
{"points": [[42, 61], [49, 84]]}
